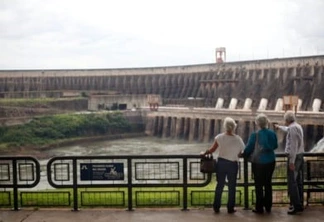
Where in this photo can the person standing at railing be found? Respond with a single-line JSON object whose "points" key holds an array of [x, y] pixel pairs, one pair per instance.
{"points": [[265, 140], [229, 145], [294, 149]]}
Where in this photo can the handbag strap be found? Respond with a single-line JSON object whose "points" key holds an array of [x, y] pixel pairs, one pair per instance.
{"points": [[256, 139]]}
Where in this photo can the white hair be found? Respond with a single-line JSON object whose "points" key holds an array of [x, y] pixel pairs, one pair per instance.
{"points": [[262, 120], [289, 117], [229, 124]]}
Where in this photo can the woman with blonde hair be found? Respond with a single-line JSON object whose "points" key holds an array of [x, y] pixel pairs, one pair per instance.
{"points": [[229, 145]]}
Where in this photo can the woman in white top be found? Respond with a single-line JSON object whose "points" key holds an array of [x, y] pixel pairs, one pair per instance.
{"points": [[229, 145]]}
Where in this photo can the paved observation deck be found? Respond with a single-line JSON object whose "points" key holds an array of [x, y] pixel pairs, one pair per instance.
{"points": [[312, 213]]}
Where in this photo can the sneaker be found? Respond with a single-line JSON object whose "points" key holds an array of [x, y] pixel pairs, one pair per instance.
{"points": [[293, 211]]}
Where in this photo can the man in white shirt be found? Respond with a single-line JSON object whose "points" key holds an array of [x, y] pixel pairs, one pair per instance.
{"points": [[294, 149]]}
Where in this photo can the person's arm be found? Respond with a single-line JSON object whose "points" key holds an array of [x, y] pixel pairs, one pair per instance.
{"points": [[282, 128], [288, 142], [242, 145], [291, 145], [212, 148]]}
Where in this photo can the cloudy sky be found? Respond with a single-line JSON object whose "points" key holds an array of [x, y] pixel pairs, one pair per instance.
{"points": [[83, 34]]}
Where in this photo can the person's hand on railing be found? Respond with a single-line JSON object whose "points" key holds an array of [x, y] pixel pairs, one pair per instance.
{"points": [[240, 154], [205, 153]]}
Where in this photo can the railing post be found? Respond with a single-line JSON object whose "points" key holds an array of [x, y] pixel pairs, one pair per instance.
{"points": [[129, 187], [303, 179], [15, 183], [185, 184], [246, 184], [75, 185]]}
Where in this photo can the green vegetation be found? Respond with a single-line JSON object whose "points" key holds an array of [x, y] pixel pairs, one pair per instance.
{"points": [[32, 102], [47, 129]]}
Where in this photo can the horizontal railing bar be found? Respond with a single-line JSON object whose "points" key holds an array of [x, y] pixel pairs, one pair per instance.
{"points": [[182, 173]]}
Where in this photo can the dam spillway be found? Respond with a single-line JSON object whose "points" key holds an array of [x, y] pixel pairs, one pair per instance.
{"points": [[232, 88], [270, 79], [202, 124]]}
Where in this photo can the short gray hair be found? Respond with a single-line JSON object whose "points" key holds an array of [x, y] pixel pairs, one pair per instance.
{"points": [[229, 124], [262, 120], [289, 117]]}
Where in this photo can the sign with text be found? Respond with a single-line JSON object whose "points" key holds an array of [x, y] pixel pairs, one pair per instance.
{"points": [[102, 171]]}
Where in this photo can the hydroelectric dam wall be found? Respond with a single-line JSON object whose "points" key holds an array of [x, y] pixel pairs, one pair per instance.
{"points": [[244, 85], [270, 79]]}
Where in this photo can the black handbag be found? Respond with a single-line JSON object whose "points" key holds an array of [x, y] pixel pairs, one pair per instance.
{"points": [[208, 164]]}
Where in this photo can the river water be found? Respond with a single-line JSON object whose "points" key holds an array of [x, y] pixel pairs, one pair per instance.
{"points": [[319, 147], [130, 146]]}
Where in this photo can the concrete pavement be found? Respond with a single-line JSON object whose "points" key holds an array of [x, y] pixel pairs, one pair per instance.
{"points": [[311, 214]]}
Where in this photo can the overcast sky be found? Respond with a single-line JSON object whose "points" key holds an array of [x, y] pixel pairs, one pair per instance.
{"points": [[83, 34]]}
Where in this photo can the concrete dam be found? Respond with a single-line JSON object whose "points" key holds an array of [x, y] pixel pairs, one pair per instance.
{"points": [[207, 92]]}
